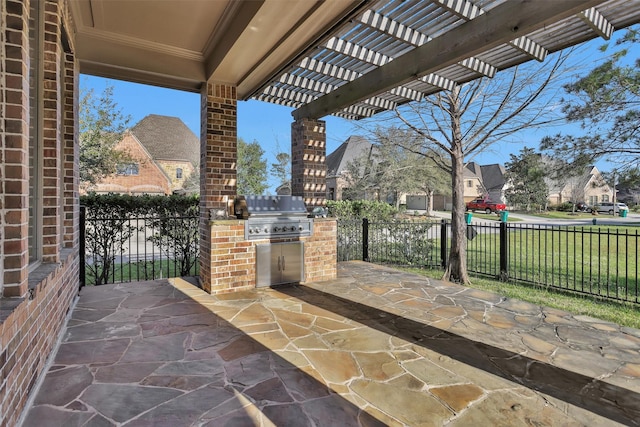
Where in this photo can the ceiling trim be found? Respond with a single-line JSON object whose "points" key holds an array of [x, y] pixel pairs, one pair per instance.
{"points": [[235, 20], [497, 26]]}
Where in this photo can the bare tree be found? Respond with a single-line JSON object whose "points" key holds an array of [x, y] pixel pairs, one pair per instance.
{"points": [[404, 171], [468, 118]]}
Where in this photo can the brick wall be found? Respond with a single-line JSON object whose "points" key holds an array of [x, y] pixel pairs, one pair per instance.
{"points": [[15, 148], [34, 302], [233, 259], [321, 251], [29, 329], [150, 178]]}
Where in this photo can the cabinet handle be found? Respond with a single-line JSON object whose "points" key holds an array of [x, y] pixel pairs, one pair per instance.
{"points": [[279, 265], [283, 267]]}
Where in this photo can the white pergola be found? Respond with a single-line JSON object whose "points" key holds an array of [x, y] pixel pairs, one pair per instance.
{"points": [[352, 59]]}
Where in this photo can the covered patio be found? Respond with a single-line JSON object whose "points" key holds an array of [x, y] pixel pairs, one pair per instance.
{"points": [[349, 58], [374, 347]]}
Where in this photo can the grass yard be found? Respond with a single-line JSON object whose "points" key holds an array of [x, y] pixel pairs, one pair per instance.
{"points": [[594, 260], [143, 270]]}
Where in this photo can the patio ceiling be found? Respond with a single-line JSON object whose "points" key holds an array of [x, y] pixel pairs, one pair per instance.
{"points": [[348, 58]]}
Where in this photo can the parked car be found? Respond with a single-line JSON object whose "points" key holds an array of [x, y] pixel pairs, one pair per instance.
{"points": [[582, 207], [485, 205], [610, 207]]}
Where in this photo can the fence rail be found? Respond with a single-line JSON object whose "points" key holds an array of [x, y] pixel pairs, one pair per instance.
{"points": [[119, 249], [588, 260]]}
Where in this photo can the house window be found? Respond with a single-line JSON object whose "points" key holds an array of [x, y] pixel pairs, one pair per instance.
{"points": [[178, 173], [593, 200], [605, 198], [128, 169], [469, 183]]}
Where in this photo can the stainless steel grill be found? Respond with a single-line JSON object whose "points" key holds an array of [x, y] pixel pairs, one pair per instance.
{"points": [[273, 217]]}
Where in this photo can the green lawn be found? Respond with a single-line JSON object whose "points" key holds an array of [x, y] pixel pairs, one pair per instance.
{"points": [[142, 270], [568, 215], [591, 259]]}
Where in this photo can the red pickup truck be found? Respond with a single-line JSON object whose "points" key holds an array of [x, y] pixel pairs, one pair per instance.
{"points": [[485, 205]]}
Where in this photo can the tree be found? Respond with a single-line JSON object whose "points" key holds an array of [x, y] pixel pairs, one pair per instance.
{"points": [[191, 184], [281, 170], [404, 171], [467, 119], [102, 125], [389, 170], [251, 169], [526, 177], [606, 105]]}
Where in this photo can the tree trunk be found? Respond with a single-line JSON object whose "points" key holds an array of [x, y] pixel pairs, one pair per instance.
{"points": [[429, 202], [456, 270], [457, 266]]}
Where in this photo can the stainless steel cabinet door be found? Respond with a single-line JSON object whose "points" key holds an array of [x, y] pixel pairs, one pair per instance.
{"points": [[279, 263], [292, 262]]}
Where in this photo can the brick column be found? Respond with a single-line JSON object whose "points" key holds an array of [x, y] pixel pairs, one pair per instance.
{"points": [[14, 134], [52, 100], [70, 152], [218, 158], [308, 167]]}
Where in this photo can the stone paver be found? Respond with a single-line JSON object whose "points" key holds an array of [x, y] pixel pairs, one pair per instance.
{"points": [[374, 347]]}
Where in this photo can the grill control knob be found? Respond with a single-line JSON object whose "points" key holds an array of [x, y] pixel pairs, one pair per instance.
{"points": [[299, 228], [266, 230], [276, 229]]}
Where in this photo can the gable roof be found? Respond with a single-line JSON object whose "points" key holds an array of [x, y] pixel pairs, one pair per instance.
{"points": [[167, 138], [353, 148], [491, 176]]}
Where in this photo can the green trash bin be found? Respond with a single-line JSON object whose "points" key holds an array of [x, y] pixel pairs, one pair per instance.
{"points": [[504, 215], [467, 217], [623, 213]]}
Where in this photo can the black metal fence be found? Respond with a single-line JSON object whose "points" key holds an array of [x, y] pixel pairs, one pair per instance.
{"points": [[589, 260], [114, 250]]}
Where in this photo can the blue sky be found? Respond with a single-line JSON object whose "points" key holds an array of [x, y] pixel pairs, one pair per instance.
{"points": [[270, 124]]}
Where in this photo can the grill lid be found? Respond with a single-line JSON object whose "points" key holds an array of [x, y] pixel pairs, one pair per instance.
{"points": [[252, 205]]}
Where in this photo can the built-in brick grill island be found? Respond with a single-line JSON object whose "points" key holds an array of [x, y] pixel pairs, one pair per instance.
{"points": [[267, 240], [282, 220]]}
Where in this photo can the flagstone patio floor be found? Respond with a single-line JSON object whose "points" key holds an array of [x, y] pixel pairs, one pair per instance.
{"points": [[374, 347]]}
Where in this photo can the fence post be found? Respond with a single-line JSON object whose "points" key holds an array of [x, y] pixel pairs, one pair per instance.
{"points": [[443, 243], [504, 252], [82, 266], [365, 239]]}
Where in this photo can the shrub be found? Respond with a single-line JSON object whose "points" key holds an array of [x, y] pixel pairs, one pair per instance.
{"points": [[108, 228], [357, 209]]}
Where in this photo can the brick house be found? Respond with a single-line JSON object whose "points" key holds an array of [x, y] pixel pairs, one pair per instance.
{"points": [[233, 51], [164, 154]]}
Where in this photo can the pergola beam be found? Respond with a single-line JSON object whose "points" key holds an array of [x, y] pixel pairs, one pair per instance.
{"points": [[497, 26], [597, 22]]}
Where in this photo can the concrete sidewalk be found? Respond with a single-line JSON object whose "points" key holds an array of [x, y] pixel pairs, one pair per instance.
{"points": [[375, 347]]}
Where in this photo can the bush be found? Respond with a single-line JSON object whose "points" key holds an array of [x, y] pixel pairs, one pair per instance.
{"points": [[108, 228], [358, 209], [562, 207]]}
